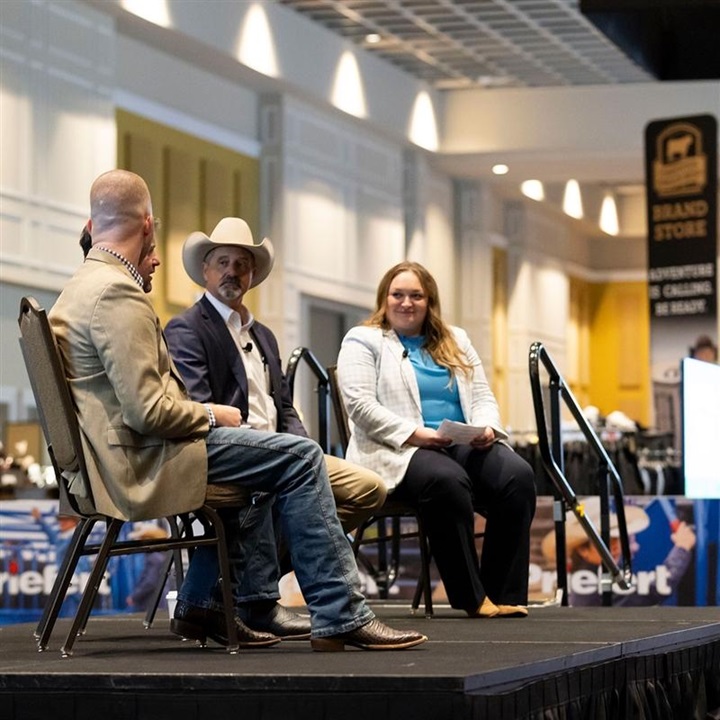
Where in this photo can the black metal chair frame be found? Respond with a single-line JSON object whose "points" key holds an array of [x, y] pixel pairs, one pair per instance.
{"points": [[386, 572], [303, 354], [58, 418]]}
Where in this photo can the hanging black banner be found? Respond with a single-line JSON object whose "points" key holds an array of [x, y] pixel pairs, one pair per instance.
{"points": [[681, 171], [681, 177]]}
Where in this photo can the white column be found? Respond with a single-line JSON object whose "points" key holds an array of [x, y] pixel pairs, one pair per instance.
{"points": [[538, 306], [56, 136]]}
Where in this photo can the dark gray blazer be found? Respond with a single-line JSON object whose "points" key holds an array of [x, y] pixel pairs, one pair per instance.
{"points": [[206, 355]]}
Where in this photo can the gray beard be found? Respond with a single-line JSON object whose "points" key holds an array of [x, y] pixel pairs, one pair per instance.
{"points": [[230, 292]]}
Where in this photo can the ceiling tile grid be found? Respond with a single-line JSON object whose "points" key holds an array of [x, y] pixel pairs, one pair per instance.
{"points": [[453, 44]]}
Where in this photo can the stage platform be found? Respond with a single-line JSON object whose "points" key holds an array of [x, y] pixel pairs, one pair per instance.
{"points": [[558, 663]]}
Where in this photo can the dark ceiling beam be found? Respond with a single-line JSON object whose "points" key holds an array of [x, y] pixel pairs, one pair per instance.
{"points": [[672, 39]]}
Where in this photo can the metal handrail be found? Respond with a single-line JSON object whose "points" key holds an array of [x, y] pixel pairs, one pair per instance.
{"points": [[323, 392], [565, 497]]}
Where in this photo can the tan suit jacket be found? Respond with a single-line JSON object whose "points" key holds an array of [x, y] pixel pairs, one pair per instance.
{"points": [[143, 438], [381, 394]]}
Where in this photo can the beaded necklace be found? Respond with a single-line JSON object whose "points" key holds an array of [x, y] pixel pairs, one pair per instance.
{"points": [[137, 277]]}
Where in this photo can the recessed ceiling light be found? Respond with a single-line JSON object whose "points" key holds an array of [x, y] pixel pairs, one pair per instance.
{"points": [[490, 81], [500, 169], [533, 189], [572, 200], [372, 38], [609, 215]]}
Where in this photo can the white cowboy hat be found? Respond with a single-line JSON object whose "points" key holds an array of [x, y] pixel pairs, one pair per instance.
{"points": [[229, 231], [636, 520]]}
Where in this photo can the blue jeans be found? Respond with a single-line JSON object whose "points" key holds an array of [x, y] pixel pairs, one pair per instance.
{"points": [[253, 551], [293, 469], [255, 541]]}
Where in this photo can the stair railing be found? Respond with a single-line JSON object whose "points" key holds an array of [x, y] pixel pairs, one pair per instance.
{"points": [[551, 453]]}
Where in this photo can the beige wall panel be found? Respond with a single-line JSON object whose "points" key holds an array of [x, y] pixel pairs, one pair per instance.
{"points": [[500, 330], [143, 156], [219, 194], [183, 194], [619, 343], [193, 184], [578, 341], [630, 317]]}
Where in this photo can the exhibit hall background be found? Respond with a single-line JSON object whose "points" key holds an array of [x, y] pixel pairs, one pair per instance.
{"points": [[86, 86], [342, 198]]}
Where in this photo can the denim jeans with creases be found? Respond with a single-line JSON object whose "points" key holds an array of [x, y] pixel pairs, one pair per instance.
{"points": [[253, 551], [293, 469]]}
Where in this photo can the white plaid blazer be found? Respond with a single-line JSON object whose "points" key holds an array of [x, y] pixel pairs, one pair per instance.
{"points": [[380, 391]]}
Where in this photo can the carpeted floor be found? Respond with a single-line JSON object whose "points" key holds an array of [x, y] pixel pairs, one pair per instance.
{"points": [[153, 674]]}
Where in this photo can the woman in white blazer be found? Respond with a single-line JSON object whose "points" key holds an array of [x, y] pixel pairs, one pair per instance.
{"points": [[400, 375]]}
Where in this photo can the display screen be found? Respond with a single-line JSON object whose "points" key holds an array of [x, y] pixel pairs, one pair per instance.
{"points": [[701, 428]]}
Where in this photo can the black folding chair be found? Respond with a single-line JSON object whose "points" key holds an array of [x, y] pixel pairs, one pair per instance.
{"points": [[58, 418], [386, 571]]}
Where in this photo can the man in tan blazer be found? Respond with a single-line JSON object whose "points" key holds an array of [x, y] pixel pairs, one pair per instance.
{"points": [[151, 451]]}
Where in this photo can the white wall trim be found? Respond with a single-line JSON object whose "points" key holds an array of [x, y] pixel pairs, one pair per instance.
{"points": [[31, 277], [186, 123], [605, 276]]}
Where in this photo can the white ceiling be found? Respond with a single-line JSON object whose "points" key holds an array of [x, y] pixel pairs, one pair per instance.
{"points": [[480, 43], [474, 44], [489, 48], [471, 44]]}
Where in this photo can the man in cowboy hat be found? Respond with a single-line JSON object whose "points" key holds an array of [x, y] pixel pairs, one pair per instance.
{"points": [[584, 559], [151, 451], [225, 355]]}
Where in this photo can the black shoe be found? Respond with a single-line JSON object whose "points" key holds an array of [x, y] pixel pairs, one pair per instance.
{"points": [[195, 623], [371, 636], [271, 617]]}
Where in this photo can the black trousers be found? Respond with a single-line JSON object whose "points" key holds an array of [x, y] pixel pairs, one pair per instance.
{"points": [[448, 487]]}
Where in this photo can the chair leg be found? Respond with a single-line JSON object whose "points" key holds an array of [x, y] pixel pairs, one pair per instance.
{"points": [[81, 630], [360, 557], [173, 559], [91, 589], [423, 589], [158, 591], [184, 527], [388, 559], [359, 534], [419, 591], [393, 571], [425, 569], [382, 564], [62, 582], [225, 580]]}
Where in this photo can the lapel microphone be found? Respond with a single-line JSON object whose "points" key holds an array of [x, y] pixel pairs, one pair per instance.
{"points": [[247, 348]]}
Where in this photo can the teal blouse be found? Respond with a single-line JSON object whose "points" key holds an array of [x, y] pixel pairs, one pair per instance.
{"points": [[439, 398]]}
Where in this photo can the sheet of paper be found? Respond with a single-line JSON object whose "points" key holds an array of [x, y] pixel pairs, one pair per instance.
{"points": [[462, 434]]}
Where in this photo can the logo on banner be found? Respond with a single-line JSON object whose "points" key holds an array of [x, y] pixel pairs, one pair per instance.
{"points": [[680, 165]]}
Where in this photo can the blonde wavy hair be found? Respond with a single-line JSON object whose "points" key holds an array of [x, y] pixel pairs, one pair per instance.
{"points": [[439, 342]]}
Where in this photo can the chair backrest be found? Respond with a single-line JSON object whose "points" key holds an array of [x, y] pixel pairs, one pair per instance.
{"points": [[55, 406], [341, 418], [320, 373]]}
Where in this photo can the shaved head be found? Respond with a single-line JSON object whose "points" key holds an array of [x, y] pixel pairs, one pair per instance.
{"points": [[119, 201]]}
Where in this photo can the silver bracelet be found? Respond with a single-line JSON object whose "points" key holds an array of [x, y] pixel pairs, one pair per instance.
{"points": [[211, 415]]}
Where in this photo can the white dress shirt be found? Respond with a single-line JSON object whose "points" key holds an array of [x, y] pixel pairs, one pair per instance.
{"points": [[262, 413]]}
